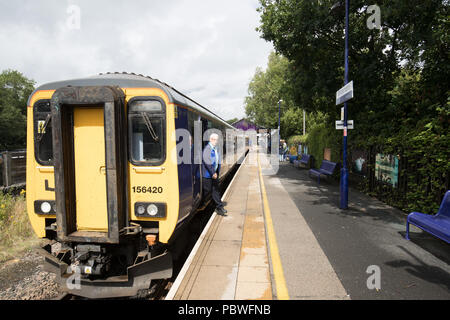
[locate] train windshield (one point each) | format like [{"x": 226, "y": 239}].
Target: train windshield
[
  {"x": 43, "y": 133},
  {"x": 146, "y": 132}
]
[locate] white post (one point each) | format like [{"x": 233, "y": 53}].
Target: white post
[{"x": 304, "y": 128}]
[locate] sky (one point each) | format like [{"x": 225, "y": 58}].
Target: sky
[{"x": 207, "y": 49}]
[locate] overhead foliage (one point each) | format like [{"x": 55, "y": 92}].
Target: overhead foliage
[
  {"x": 401, "y": 78},
  {"x": 231, "y": 121},
  {"x": 414, "y": 37},
  {"x": 265, "y": 90},
  {"x": 15, "y": 89}
]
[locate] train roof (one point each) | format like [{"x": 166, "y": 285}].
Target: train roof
[{"x": 132, "y": 80}]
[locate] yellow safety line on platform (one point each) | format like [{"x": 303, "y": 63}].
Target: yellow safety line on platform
[{"x": 280, "y": 282}]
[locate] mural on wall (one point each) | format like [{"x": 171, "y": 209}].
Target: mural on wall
[
  {"x": 386, "y": 168},
  {"x": 359, "y": 162}
]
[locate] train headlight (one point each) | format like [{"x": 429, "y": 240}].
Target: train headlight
[
  {"x": 140, "y": 210},
  {"x": 46, "y": 207},
  {"x": 152, "y": 210}
]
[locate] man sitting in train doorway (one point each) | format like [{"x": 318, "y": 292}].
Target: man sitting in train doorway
[{"x": 211, "y": 169}]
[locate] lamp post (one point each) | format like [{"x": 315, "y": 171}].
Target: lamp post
[{"x": 344, "y": 171}]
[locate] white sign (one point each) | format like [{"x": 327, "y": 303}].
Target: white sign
[
  {"x": 340, "y": 124},
  {"x": 345, "y": 93}
]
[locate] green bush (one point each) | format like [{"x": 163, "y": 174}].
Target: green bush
[
  {"x": 296, "y": 140},
  {"x": 320, "y": 137},
  {"x": 427, "y": 151},
  {"x": 6, "y": 205}
]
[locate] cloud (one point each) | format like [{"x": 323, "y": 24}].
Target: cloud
[{"x": 208, "y": 50}]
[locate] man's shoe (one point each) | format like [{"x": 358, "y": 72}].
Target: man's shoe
[
  {"x": 224, "y": 203},
  {"x": 221, "y": 211}
]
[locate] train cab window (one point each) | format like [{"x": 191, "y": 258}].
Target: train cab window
[
  {"x": 146, "y": 131},
  {"x": 43, "y": 142}
]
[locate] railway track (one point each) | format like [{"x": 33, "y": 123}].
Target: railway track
[{"x": 161, "y": 290}]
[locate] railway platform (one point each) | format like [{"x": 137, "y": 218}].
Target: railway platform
[
  {"x": 237, "y": 256},
  {"x": 230, "y": 260},
  {"x": 286, "y": 238}
]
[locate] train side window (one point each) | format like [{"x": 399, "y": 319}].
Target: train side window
[
  {"x": 224, "y": 142},
  {"x": 43, "y": 142},
  {"x": 191, "y": 124},
  {"x": 146, "y": 131}
]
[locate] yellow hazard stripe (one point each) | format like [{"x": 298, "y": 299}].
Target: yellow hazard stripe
[{"x": 280, "y": 282}]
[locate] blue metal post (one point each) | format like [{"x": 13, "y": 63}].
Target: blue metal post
[{"x": 344, "y": 171}]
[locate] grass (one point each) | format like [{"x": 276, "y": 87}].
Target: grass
[{"x": 16, "y": 233}]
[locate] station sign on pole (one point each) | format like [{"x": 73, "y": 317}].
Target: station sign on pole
[
  {"x": 345, "y": 93},
  {"x": 340, "y": 124}
]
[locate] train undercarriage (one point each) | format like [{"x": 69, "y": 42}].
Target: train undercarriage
[{"x": 94, "y": 270}]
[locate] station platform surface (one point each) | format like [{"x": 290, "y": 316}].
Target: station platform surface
[
  {"x": 369, "y": 234},
  {"x": 286, "y": 238},
  {"x": 232, "y": 262},
  {"x": 238, "y": 260}
]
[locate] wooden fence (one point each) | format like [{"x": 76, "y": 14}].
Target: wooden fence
[{"x": 12, "y": 169}]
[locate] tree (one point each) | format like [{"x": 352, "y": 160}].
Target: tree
[
  {"x": 414, "y": 37},
  {"x": 15, "y": 89},
  {"x": 265, "y": 90},
  {"x": 231, "y": 121},
  {"x": 401, "y": 76}
]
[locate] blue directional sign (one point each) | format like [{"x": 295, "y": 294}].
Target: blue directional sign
[{"x": 345, "y": 93}]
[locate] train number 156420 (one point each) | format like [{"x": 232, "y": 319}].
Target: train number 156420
[{"x": 144, "y": 189}]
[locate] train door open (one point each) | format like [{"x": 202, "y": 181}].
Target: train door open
[
  {"x": 196, "y": 170},
  {"x": 205, "y": 127},
  {"x": 89, "y": 150}
]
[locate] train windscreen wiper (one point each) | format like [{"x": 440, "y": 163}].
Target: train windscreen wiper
[
  {"x": 150, "y": 128},
  {"x": 44, "y": 127}
]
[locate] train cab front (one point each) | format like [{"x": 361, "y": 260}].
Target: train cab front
[{"x": 98, "y": 251}]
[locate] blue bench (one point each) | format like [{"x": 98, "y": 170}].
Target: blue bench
[
  {"x": 305, "y": 160},
  {"x": 438, "y": 224},
  {"x": 327, "y": 168}
]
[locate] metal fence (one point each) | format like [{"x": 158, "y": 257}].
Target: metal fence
[
  {"x": 12, "y": 169},
  {"x": 392, "y": 177}
]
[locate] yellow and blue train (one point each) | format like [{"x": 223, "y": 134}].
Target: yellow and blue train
[{"x": 102, "y": 182}]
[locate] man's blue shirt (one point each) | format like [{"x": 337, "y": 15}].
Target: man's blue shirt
[{"x": 210, "y": 162}]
